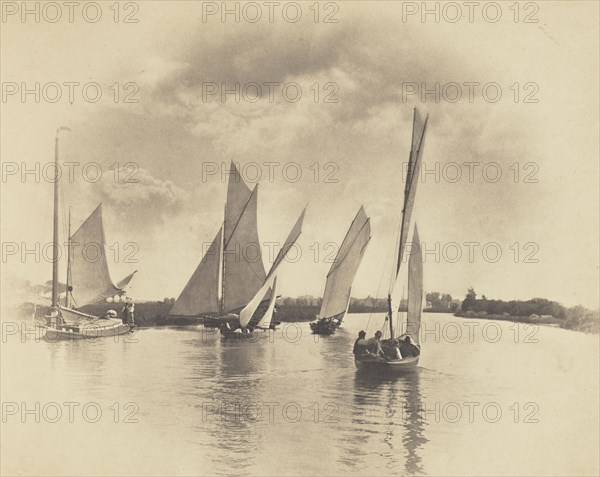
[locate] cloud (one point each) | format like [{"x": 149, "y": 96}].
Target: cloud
[
  {"x": 139, "y": 197},
  {"x": 173, "y": 132}
]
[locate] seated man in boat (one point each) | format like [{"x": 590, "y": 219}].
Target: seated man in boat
[
  {"x": 408, "y": 348},
  {"x": 360, "y": 345},
  {"x": 393, "y": 349},
  {"x": 374, "y": 344}
]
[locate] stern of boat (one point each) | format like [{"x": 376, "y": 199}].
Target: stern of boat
[{"x": 391, "y": 367}]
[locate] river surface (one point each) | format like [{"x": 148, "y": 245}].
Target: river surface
[{"x": 487, "y": 399}]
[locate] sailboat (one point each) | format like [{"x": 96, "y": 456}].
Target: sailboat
[
  {"x": 251, "y": 318},
  {"x": 231, "y": 271},
  {"x": 403, "y": 352},
  {"x": 338, "y": 288},
  {"x": 88, "y": 280}
]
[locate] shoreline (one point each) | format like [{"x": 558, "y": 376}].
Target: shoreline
[
  {"x": 536, "y": 320},
  {"x": 155, "y": 314},
  {"x": 587, "y": 326}
]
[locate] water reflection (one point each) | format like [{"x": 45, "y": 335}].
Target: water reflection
[
  {"x": 231, "y": 414},
  {"x": 389, "y": 406},
  {"x": 365, "y": 424}
]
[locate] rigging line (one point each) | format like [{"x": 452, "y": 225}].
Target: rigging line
[
  {"x": 225, "y": 245},
  {"x": 394, "y": 271},
  {"x": 379, "y": 287},
  {"x": 400, "y": 316},
  {"x": 410, "y": 157}
]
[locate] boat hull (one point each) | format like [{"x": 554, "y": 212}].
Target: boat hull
[
  {"x": 89, "y": 332},
  {"x": 324, "y": 328},
  {"x": 232, "y": 336},
  {"x": 391, "y": 367},
  {"x": 217, "y": 322},
  {"x": 77, "y": 325}
]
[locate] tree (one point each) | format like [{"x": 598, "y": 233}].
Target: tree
[{"x": 469, "y": 300}]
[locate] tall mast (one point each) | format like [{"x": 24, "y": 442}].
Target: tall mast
[
  {"x": 222, "y": 247},
  {"x": 55, "y": 224},
  {"x": 68, "y": 281},
  {"x": 55, "y": 227},
  {"x": 390, "y": 316}
]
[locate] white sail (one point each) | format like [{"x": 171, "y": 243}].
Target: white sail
[
  {"x": 288, "y": 244},
  {"x": 200, "y": 295},
  {"x": 415, "y": 288},
  {"x": 343, "y": 270},
  {"x": 410, "y": 188},
  {"x": 248, "y": 311},
  {"x": 89, "y": 274},
  {"x": 243, "y": 268},
  {"x": 265, "y": 321}
]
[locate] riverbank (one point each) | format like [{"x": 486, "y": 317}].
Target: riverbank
[
  {"x": 533, "y": 319},
  {"x": 576, "y": 319}
]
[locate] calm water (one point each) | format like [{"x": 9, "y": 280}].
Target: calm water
[{"x": 510, "y": 399}]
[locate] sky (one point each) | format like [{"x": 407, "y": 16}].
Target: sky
[{"x": 509, "y": 205}]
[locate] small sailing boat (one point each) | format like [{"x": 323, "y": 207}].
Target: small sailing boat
[
  {"x": 338, "y": 288},
  {"x": 88, "y": 280},
  {"x": 232, "y": 272},
  {"x": 250, "y": 316},
  {"x": 403, "y": 352}
]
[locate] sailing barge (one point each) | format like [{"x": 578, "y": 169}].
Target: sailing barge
[
  {"x": 231, "y": 276},
  {"x": 88, "y": 280}
]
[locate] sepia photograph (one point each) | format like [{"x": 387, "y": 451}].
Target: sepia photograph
[{"x": 300, "y": 238}]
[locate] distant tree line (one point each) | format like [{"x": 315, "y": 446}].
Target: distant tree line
[
  {"x": 574, "y": 318},
  {"x": 439, "y": 302},
  {"x": 535, "y": 306}
]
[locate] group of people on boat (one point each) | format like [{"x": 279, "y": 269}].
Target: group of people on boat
[
  {"x": 226, "y": 329},
  {"x": 325, "y": 326},
  {"x": 397, "y": 348}
]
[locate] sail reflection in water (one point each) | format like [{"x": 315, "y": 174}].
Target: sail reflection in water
[
  {"x": 229, "y": 412},
  {"x": 390, "y": 405},
  {"x": 365, "y": 425}
]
